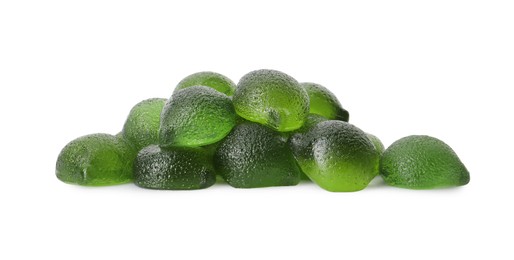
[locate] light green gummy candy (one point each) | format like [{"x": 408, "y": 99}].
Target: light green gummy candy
[
  {"x": 96, "y": 160},
  {"x": 210, "y": 79},
  {"x": 141, "y": 127},
  {"x": 324, "y": 103},
  {"x": 196, "y": 116},
  {"x": 272, "y": 98}
]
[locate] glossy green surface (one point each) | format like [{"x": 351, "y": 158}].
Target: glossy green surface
[
  {"x": 209, "y": 79},
  {"x": 312, "y": 120},
  {"x": 141, "y": 127},
  {"x": 422, "y": 162},
  {"x": 253, "y": 156},
  {"x": 196, "y": 116},
  {"x": 336, "y": 155},
  {"x": 177, "y": 168},
  {"x": 96, "y": 160},
  {"x": 271, "y": 98},
  {"x": 323, "y": 102}
]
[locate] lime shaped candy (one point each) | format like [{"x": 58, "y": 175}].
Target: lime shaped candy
[
  {"x": 422, "y": 162},
  {"x": 254, "y": 156},
  {"x": 196, "y": 116},
  {"x": 177, "y": 168},
  {"x": 209, "y": 79},
  {"x": 271, "y": 98},
  {"x": 96, "y": 160},
  {"x": 336, "y": 155},
  {"x": 324, "y": 103},
  {"x": 141, "y": 127}
]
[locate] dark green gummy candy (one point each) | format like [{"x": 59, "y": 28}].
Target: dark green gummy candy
[
  {"x": 177, "y": 168},
  {"x": 253, "y": 155}
]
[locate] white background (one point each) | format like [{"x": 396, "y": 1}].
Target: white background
[{"x": 441, "y": 68}]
